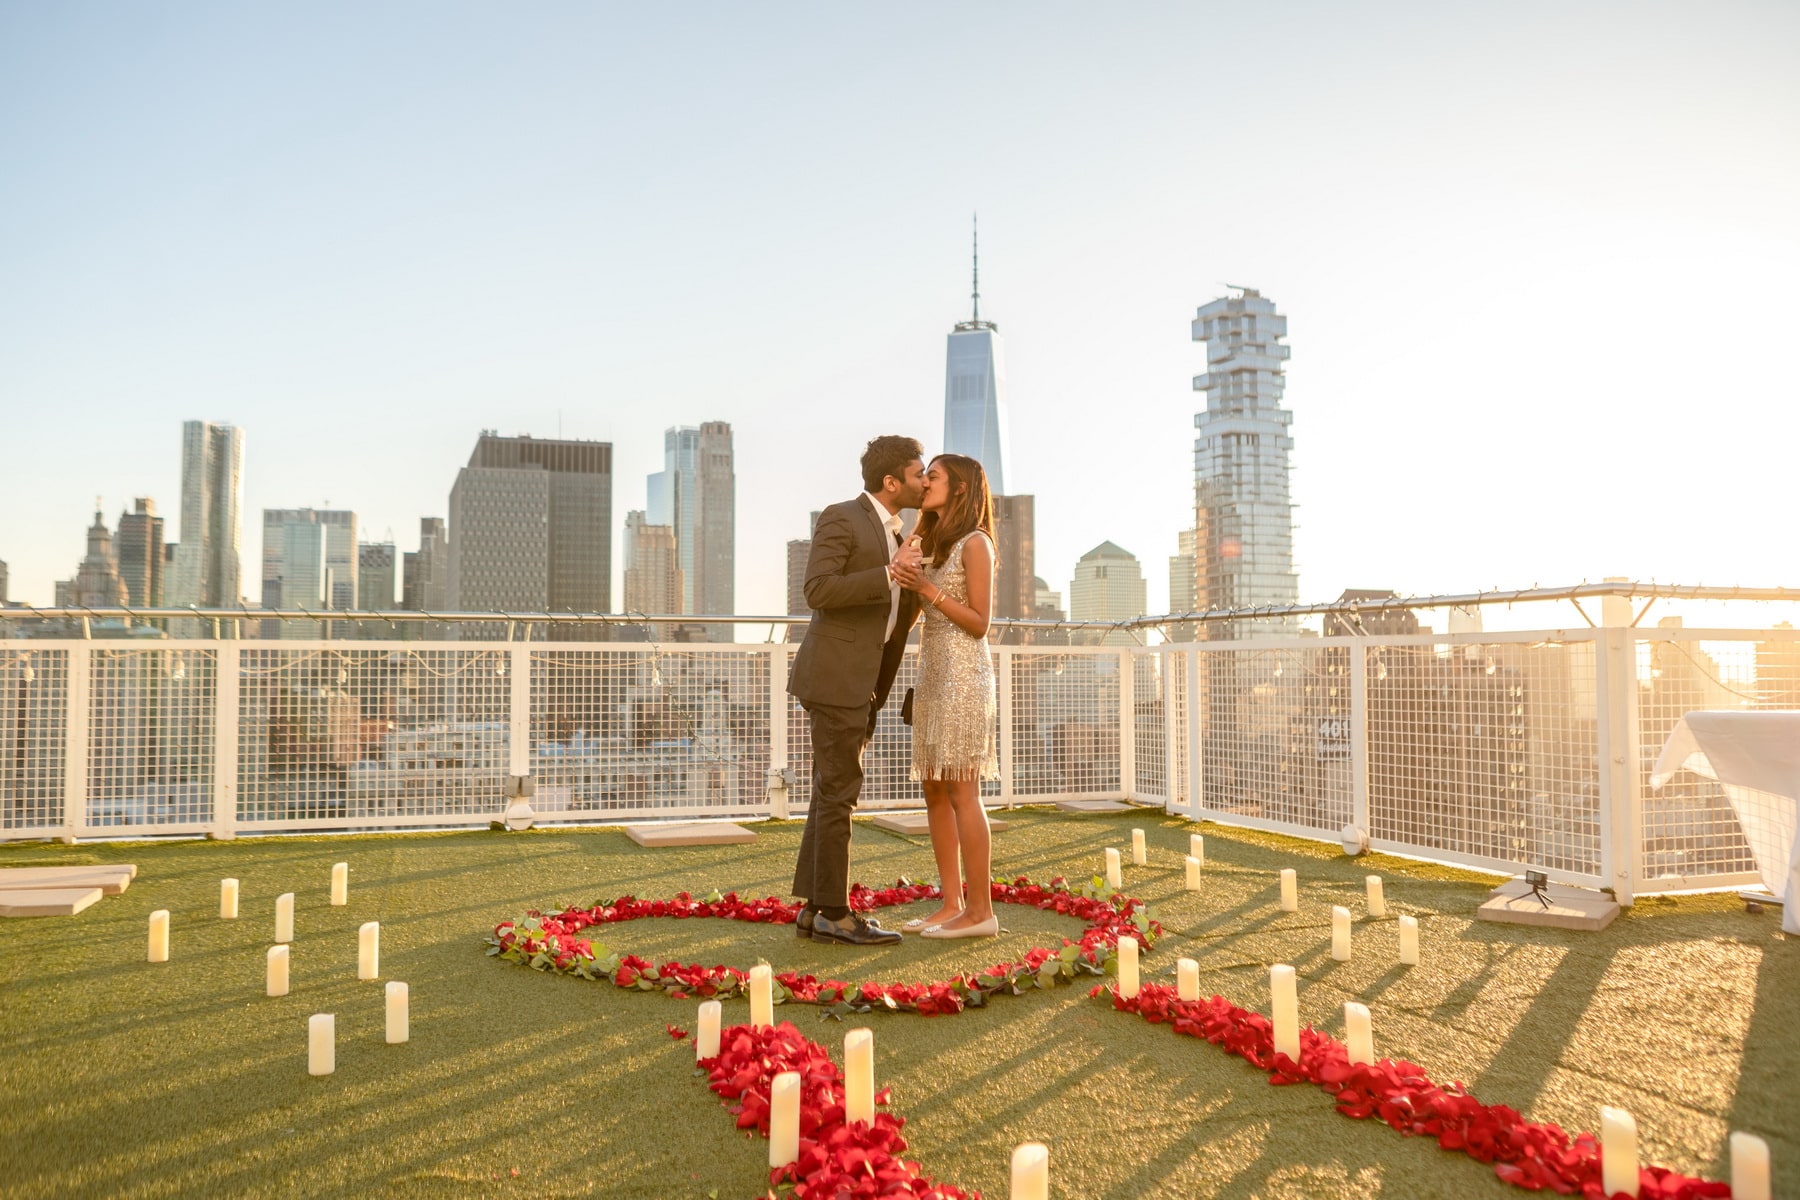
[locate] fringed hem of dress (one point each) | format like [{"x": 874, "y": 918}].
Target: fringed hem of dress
[{"x": 956, "y": 774}]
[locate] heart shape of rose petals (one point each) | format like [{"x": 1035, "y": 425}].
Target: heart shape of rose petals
[{"x": 556, "y": 944}]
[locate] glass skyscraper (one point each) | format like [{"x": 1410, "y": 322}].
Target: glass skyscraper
[
  {"x": 695, "y": 494},
  {"x": 207, "y": 570},
  {"x": 975, "y": 392},
  {"x": 1243, "y": 517}
]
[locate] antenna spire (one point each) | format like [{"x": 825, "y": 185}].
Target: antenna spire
[{"x": 975, "y": 222}]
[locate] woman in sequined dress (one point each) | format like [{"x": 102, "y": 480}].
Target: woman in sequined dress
[{"x": 953, "y": 705}]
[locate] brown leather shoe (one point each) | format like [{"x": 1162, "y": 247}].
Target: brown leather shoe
[
  {"x": 803, "y": 922},
  {"x": 853, "y": 930}
]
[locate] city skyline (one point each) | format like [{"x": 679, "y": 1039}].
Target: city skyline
[{"x": 1420, "y": 180}]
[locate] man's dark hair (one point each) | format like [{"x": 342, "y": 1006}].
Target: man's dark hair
[{"x": 889, "y": 455}]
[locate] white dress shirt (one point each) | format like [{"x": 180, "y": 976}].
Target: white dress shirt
[{"x": 892, "y": 520}]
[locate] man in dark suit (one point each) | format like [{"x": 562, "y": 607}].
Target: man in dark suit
[{"x": 845, "y": 668}]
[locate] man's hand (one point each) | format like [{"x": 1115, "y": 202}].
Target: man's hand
[{"x": 906, "y": 567}]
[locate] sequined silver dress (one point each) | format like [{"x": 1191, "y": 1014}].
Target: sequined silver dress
[{"x": 953, "y": 708}]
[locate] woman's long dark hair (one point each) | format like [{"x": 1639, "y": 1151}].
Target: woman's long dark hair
[{"x": 969, "y": 508}]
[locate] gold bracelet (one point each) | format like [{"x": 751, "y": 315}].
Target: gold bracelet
[{"x": 937, "y": 600}]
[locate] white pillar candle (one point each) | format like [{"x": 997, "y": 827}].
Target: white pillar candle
[
  {"x": 1031, "y": 1172},
  {"x": 1409, "y": 941},
  {"x": 228, "y": 898},
  {"x": 784, "y": 1119},
  {"x": 1749, "y": 1168},
  {"x": 159, "y": 935},
  {"x": 762, "y": 996},
  {"x": 1187, "y": 979},
  {"x": 1193, "y": 873},
  {"x": 1284, "y": 1006},
  {"x": 1359, "y": 1033},
  {"x": 278, "y": 971},
  {"x": 321, "y": 1044},
  {"x": 284, "y": 917},
  {"x": 368, "y": 950},
  {"x": 1114, "y": 879},
  {"x": 340, "y": 883},
  {"x": 399, "y": 1013},
  {"x": 1377, "y": 901},
  {"x": 1618, "y": 1151},
  {"x": 1128, "y": 967},
  {"x": 859, "y": 1075},
  {"x": 1197, "y": 847},
  {"x": 1138, "y": 855},
  {"x": 706, "y": 1043},
  {"x": 1290, "y": 890},
  {"x": 1340, "y": 933}
]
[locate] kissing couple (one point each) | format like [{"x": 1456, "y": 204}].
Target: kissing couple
[{"x": 867, "y": 585}]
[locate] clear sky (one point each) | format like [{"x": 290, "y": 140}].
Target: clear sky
[{"x": 1538, "y": 260}]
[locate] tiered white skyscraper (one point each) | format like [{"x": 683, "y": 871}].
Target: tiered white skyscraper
[
  {"x": 975, "y": 391},
  {"x": 1243, "y": 517}
]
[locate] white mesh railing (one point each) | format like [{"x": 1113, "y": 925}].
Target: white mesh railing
[
  {"x": 1688, "y": 834},
  {"x": 34, "y": 704},
  {"x": 400, "y": 733},
  {"x": 1499, "y": 750}
]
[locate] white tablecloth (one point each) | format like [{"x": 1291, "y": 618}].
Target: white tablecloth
[{"x": 1755, "y": 756}]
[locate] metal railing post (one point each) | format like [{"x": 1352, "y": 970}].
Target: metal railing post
[
  {"x": 518, "y": 733},
  {"x": 1003, "y": 669},
  {"x": 1615, "y": 685},
  {"x": 1127, "y": 724},
  {"x": 778, "y": 710},
  {"x": 1171, "y": 729},
  {"x": 1195, "y": 751},
  {"x": 76, "y": 738},
  {"x": 1359, "y": 738},
  {"x": 227, "y": 680}
]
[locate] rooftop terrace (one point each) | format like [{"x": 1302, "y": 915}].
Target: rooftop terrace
[{"x": 129, "y": 1078}]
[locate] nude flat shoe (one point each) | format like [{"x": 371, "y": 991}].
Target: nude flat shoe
[
  {"x": 987, "y": 928},
  {"x": 917, "y": 924}
]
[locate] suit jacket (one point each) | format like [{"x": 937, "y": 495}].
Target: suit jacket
[{"x": 845, "y": 660}]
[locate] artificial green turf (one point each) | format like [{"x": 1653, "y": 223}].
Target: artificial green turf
[{"x": 126, "y": 1078}]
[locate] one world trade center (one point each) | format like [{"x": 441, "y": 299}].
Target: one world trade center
[{"x": 975, "y": 391}]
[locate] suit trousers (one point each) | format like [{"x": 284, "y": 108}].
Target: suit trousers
[{"x": 839, "y": 737}]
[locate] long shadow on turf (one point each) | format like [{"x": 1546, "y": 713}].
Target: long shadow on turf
[
  {"x": 1766, "y": 1096},
  {"x": 1547, "y": 1020}
]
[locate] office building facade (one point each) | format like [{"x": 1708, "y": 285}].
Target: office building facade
[
  {"x": 290, "y": 577},
  {"x": 1015, "y": 580},
  {"x": 425, "y": 585},
  {"x": 1108, "y": 586},
  {"x": 376, "y": 576},
  {"x": 530, "y": 526},
  {"x": 139, "y": 548},
  {"x": 652, "y": 567}
]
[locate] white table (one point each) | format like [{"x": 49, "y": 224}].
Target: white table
[{"x": 1755, "y": 756}]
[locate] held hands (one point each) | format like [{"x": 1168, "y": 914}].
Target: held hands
[{"x": 907, "y": 566}]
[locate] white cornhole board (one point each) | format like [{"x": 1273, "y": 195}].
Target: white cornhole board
[
  {"x": 1093, "y": 806},
  {"x": 47, "y": 902},
  {"x": 915, "y": 824},
  {"x": 111, "y": 880},
  {"x": 1569, "y": 908},
  {"x": 690, "y": 833}
]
